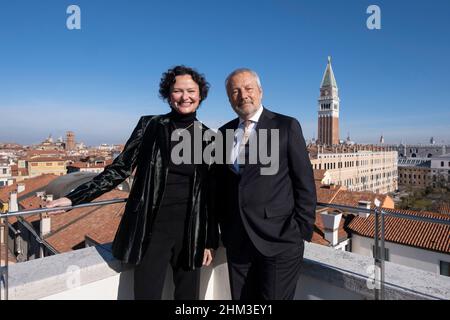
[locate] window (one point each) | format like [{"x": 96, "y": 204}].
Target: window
[
  {"x": 4, "y": 171},
  {"x": 49, "y": 164},
  {"x": 444, "y": 268},
  {"x": 442, "y": 163}
]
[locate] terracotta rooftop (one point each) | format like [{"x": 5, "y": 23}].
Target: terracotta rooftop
[
  {"x": 337, "y": 194},
  {"x": 68, "y": 230},
  {"x": 45, "y": 152},
  {"x": 80, "y": 164},
  {"x": 326, "y": 194},
  {"x": 444, "y": 208},
  {"x": 351, "y": 198},
  {"x": 45, "y": 159},
  {"x": 425, "y": 235},
  {"x": 31, "y": 185},
  {"x": 319, "y": 174}
]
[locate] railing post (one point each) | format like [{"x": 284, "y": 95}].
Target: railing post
[
  {"x": 7, "y": 257},
  {"x": 4, "y": 269},
  {"x": 383, "y": 257},
  {"x": 376, "y": 256},
  {"x": 379, "y": 253}
]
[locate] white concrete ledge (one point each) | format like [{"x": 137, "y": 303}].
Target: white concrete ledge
[{"x": 93, "y": 273}]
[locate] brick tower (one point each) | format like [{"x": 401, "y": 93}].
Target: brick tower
[{"x": 328, "y": 129}]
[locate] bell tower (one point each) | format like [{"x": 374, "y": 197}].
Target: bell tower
[{"x": 328, "y": 129}]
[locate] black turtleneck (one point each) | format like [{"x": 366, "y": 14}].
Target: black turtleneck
[{"x": 179, "y": 179}]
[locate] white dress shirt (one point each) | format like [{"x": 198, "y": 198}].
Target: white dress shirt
[{"x": 239, "y": 134}]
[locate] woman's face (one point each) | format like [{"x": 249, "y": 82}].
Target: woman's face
[{"x": 185, "y": 95}]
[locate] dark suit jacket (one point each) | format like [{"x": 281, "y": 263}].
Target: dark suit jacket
[{"x": 275, "y": 211}]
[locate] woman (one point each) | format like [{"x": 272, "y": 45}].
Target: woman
[{"x": 166, "y": 218}]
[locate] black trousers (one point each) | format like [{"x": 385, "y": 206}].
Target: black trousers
[
  {"x": 257, "y": 277},
  {"x": 166, "y": 247}
]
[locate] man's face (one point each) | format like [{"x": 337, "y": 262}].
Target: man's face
[{"x": 244, "y": 94}]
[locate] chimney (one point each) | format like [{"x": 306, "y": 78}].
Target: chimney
[
  {"x": 49, "y": 197},
  {"x": 45, "y": 224},
  {"x": 13, "y": 206},
  {"x": 331, "y": 222},
  {"x": 40, "y": 194},
  {"x": 20, "y": 187},
  {"x": 364, "y": 205}
]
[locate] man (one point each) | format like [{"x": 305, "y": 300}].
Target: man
[{"x": 264, "y": 217}]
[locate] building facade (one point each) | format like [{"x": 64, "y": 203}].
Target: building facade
[
  {"x": 359, "y": 170},
  {"x": 5, "y": 173},
  {"x": 421, "y": 150},
  {"x": 40, "y": 166},
  {"x": 424, "y": 172}
]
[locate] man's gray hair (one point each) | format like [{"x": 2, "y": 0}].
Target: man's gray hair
[{"x": 242, "y": 70}]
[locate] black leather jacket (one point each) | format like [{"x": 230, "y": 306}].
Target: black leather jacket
[{"x": 147, "y": 151}]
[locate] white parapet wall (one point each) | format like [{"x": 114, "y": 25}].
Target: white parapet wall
[{"x": 92, "y": 273}]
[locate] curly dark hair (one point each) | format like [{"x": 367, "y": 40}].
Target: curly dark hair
[{"x": 168, "y": 79}]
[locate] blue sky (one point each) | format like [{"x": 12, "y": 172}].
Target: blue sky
[{"x": 97, "y": 81}]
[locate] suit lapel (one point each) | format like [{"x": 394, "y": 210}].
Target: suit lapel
[
  {"x": 228, "y": 145},
  {"x": 164, "y": 139},
  {"x": 264, "y": 123}
]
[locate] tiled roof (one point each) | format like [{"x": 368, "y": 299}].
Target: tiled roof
[
  {"x": 326, "y": 194},
  {"x": 45, "y": 159},
  {"x": 319, "y": 174},
  {"x": 337, "y": 194},
  {"x": 69, "y": 229},
  {"x": 80, "y": 164},
  {"x": 444, "y": 208},
  {"x": 425, "y": 235},
  {"x": 351, "y": 198},
  {"x": 44, "y": 152},
  {"x": 31, "y": 185}
]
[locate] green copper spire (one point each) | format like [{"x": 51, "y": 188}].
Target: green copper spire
[{"x": 328, "y": 77}]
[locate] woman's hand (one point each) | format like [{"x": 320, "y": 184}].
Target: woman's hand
[
  {"x": 61, "y": 202},
  {"x": 208, "y": 256}
]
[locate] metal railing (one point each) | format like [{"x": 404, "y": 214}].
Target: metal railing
[
  {"x": 379, "y": 241},
  {"x": 4, "y": 226}
]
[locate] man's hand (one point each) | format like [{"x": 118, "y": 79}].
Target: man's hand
[
  {"x": 208, "y": 256},
  {"x": 61, "y": 202}
]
